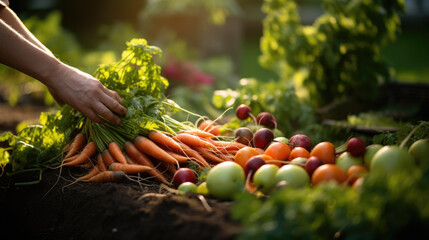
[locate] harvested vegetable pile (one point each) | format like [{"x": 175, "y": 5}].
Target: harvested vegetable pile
[{"x": 147, "y": 144}]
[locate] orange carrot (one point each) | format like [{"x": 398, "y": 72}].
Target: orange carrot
[
  {"x": 108, "y": 176},
  {"x": 170, "y": 167},
  {"x": 87, "y": 152},
  {"x": 107, "y": 157},
  {"x": 129, "y": 168},
  {"x": 100, "y": 163},
  {"x": 148, "y": 147},
  {"x": 94, "y": 171},
  {"x": 207, "y": 154},
  {"x": 144, "y": 160},
  {"x": 130, "y": 160},
  {"x": 78, "y": 142},
  {"x": 116, "y": 151},
  {"x": 189, "y": 152},
  {"x": 178, "y": 157},
  {"x": 193, "y": 141},
  {"x": 164, "y": 140},
  {"x": 228, "y": 145},
  {"x": 201, "y": 134}
]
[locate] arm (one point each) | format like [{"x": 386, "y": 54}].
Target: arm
[{"x": 75, "y": 88}]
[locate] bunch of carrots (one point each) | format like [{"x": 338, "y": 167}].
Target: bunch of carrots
[{"x": 157, "y": 154}]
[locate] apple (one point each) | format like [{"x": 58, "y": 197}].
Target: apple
[
  {"x": 262, "y": 138},
  {"x": 356, "y": 147},
  {"x": 312, "y": 163},
  {"x": 300, "y": 140},
  {"x": 391, "y": 159},
  {"x": 264, "y": 178},
  {"x": 300, "y": 161},
  {"x": 294, "y": 175},
  {"x": 225, "y": 180},
  {"x": 184, "y": 175},
  {"x": 420, "y": 151},
  {"x": 252, "y": 165},
  {"x": 346, "y": 160},
  {"x": 202, "y": 189},
  {"x": 369, "y": 153},
  {"x": 187, "y": 187}
]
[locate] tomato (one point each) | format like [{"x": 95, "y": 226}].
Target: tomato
[
  {"x": 355, "y": 172},
  {"x": 244, "y": 154},
  {"x": 278, "y": 151},
  {"x": 325, "y": 151},
  {"x": 298, "y": 152},
  {"x": 328, "y": 172}
]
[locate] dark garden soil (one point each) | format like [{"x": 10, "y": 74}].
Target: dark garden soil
[{"x": 53, "y": 209}]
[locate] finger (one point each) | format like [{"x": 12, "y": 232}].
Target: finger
[
  {"x": 113, "y": 104},
  {"x": 105, "y": 112},
  {"x": 91, "y": 115}
]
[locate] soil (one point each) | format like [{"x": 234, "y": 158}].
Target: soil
[{"x": 53, "y": 209}]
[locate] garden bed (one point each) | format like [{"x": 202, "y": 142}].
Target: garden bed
[{"x": 124, "y": 210}]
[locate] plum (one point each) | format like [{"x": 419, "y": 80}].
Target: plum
[
  {"x": 244, "y": 135},
  {"x": 312, "y": 163},
  {"x": 262, "y": 138},
  {"x": 356, "y": 147},
  {"x": 266, "y": 119},
  {"x": 253, "y": 164},
  {"x": 243, "y": 112},
  {"x": 300, "y": 140}
]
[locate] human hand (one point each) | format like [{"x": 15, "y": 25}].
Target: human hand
[{"x": 87, "y": 95}]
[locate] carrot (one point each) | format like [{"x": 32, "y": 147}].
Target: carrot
[
  {"x": 193, "y": 141},
  {"x": 201, "y": 134},
  {"x": 148, "y": 147},
  {"x": 178, "y": 157},
  {"x": 130, "y": 160},
  {"x": 129, "y": 168},
  {"x": 209, "y": 155},
  {"x": 144, "y": 160},
  {"x": 107, "y": 157},
  {"x": 117, "y": 153},
  {"x": 170, "y": 167},
  {"x": 164, "y": 140},
  {"x": 228, "y": 145},
  {"x": 94, "y": 171},
  {"x": 84, "y": 156},
  {"x": 108, "y": 176},
  {"x": 78, "y": 142},
  {"x": 189, "y": 152},
  {"x": 100, "y": 163}
]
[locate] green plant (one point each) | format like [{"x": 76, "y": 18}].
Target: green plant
[
  {"x": 218, "y": 10},
  {"x": 277, "y": 98},
  {"x": 336, "y": 57}
]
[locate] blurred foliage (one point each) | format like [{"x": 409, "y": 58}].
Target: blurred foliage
[
  {"x": 396, "y": 138},
  {"x": 281, "y": 100},
  {"x": 217, "y": 10},
  {"x": 337, "y": 56}
]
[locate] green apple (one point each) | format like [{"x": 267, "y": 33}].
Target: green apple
[
  {"x": 299, "y": 161},
  {"x": 420, "y": 151},
  {"x": 202, "y": 189},
  {"x": 187, "y": 187},
  {"x": 225, "y": 180},
  {"x": 264, "y": 178},
  {"x": 369, "y": 153},
  {"x": 390, "y": 159},
  {"x": 294, "y": 175},
  {"x": 346, "y": 160}
]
